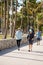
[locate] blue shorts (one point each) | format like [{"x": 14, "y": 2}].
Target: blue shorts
[{"x": 38, "y": 39}]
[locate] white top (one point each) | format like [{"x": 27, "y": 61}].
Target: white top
[{"x": 18, "y": 34}]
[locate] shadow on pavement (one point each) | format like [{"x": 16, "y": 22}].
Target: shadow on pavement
[
  {"x": 14, "y": 48},
  {"x": 2, "y": 52},
  {"x": 38, "y": 51},
  {"x": 25, "y": 58}
]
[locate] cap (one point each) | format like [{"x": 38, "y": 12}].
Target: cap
[{"x": 30, "y": 30}]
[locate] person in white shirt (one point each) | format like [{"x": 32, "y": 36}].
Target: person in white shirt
[{"x": 18, "y": 35}]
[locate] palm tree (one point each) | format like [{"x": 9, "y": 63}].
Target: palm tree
[
  {"x": 11, "y": 22},
  {"x": 1, "y": 15},
  {"x": 6, "y": 20},
  {"x": 15, "y": 20}
]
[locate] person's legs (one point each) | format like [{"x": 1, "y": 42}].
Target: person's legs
[
  {"x": 18, "y": 44},
  {"x": 38, "y": 41},
  {"x": 30, "y": 46}
]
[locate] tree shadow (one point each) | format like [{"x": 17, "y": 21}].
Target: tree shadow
[
  {"x": 24, "y": 58},
  {"x": 5, "y": 51},
  {"x": 38, "y": 51},
  {"x": 28, "y": 53}
]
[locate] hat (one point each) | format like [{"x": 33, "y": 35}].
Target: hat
[
  {"x": 30, "y": 30},
  {"x": 19, "y": 28}
]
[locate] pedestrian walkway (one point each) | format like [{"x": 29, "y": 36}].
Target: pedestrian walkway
[{"x": 14, "y": 57}]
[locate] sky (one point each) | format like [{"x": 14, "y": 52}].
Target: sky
[
  {"x": 38, "y": 0},
  {"x": 20, "y": 1}
]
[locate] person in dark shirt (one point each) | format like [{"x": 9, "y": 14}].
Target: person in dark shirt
[
  {"x": 32, "y": 31},
  {"x": 30, "y": 39}
]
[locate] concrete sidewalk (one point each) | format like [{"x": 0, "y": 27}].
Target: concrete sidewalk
[{"x": 14, "y": 57}]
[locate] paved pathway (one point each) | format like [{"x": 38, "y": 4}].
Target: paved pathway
[{"x": 14, "y": 57}]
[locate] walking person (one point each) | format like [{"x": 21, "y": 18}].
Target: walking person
[
  {"x": 30, "y": 39},
  {"x": 32, "y": 31},
  {"x": 38, "y": 36},
  {"x": 18, "y": 35}
]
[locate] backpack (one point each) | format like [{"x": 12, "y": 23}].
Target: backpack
[{"x": 28, "y": 36}]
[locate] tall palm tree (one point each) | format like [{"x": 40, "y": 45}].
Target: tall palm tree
[
  {"x": 6, "y": 20},
  {"x": 15, "y": 20},
  {"x": 11, "y": 22},
  {"x": 1, "y": 15}
]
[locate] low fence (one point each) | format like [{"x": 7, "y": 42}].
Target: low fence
[{"x": 7, "y": 43}]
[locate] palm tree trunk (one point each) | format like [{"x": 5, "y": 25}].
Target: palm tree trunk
[
  {"x": 4, "y": 19},
  {"x": 7, "y": 22},
  {"x": 15, "y": 20},
  {"x": 11, "y": 28},
  {"x": 22, "y": 18},
  {"x": 2, "y": 16}
]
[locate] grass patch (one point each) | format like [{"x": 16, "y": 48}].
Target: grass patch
[{"x": 1, "y": 36}]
